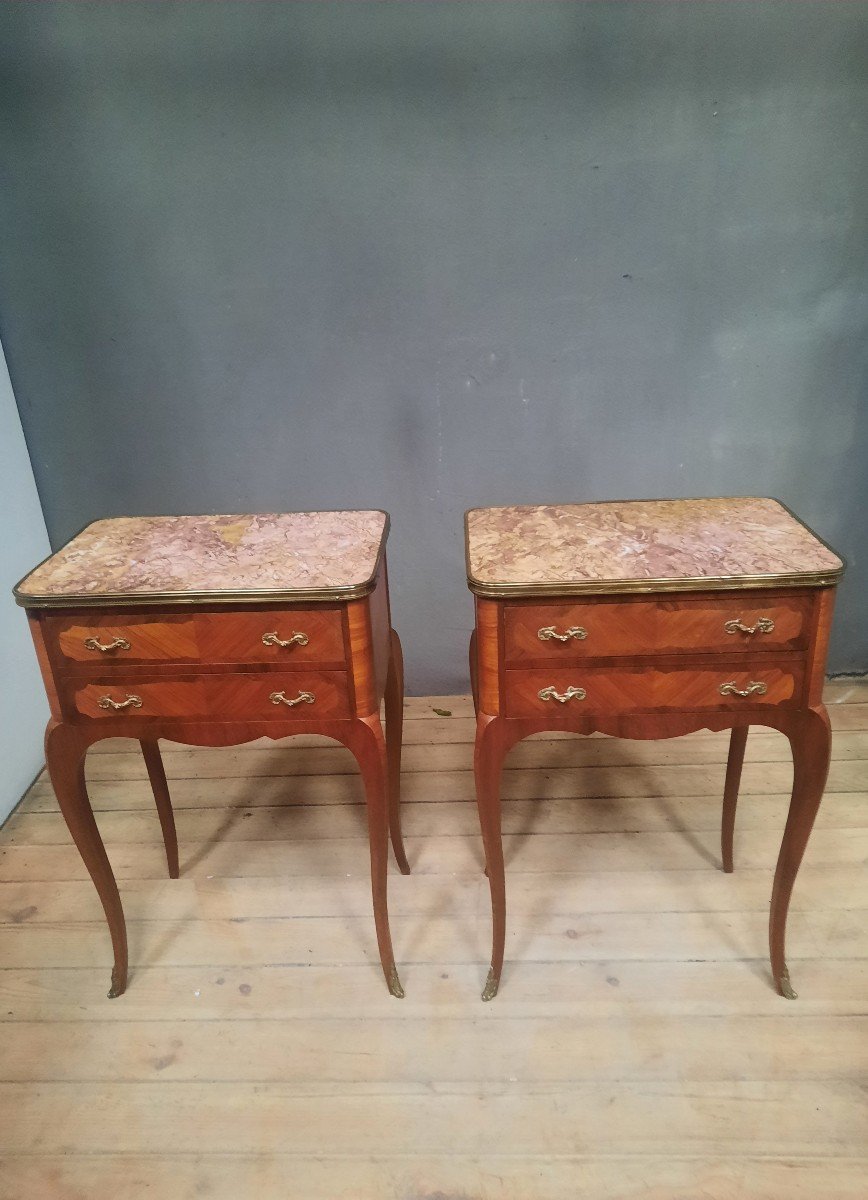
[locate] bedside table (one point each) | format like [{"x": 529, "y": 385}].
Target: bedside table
[
  {"x": 213, "y": 631},
  {"x": 650, "y": 619}
]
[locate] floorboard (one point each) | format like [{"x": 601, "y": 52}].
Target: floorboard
[{"x": 637, "y": 1050}]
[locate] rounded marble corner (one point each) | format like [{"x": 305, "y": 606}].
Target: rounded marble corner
[
  {"x": 33, "y": 600},
  {"x": 837, "y": 553}
]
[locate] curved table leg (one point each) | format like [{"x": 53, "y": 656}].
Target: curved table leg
[
  {"x": 394, "y": 699},
  {"x": 737, "y": 742},
  {"x": 487, "y": 762},
  {"x": 157, "y": 776},
  {"x": 811, "y": 741},
  {"x": 365, "y": 739},
  {"x": 65, "y": 752},
  {"x": 474, "y": 687}
]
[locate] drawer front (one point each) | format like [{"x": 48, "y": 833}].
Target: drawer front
[
  {"x": 613, "y": 691},
  {"x": 302, "y": 695},
  {"x": 733, "y": 624},
  {"x": 276, "y": 636},
  {"x": 285, "y": 636},
  {"x": 135, "y": 698},
  {"x": 311, "y": 695},
  {"x": 123, "y": 639}
]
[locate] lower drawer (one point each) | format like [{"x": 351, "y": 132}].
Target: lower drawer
[
  {"x": 311, "y": 695},
  {"x": 556, "y": 692}
]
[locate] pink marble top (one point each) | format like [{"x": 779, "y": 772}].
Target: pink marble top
[
  {"x": 627, "y": 546},
  {"x": 142, "y": 558}
]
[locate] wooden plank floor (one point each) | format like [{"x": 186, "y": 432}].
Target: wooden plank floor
[{"x": 637, "y": 1048}]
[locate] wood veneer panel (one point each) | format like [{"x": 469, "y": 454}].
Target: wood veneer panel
[
  {"x": 378, "y": 608},
  {"x": 236, "y": 637},
  {"x": 655, "y": 627},
  {"x": 151, "y": 639},
  {"x": 824, "y": 607},
  {"x": 205, "y": 638},
  {"x": 43, "y": 656},
  {"x": 159, "y": 698},
  {"x": 361, "y": 656},
  {"x": 620, "y": 691},
  {"x": 487, "y": 650},
  {"x": 236, "y": 696}
]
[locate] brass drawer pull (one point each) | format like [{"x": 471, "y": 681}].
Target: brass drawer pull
[
  {"x": 93, "y": 643},
  {"x": 547, "y": 634},
  {"x": 761, "y": 625},
  {"x": 130, "y": 702},
  {"x": 301, "y": 698},
  {"x": 297, "y": 639},
  {"x": 753, "y": 688},
  {"x": 572, "y": 693}
]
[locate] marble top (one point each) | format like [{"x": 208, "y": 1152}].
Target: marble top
[
  {"x": 642, "y": 545},
  {"x": 282, "y": 555}
]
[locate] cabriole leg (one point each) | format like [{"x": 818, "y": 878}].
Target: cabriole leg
[
  {"x": 394, "y": 733},
  {"x": 65, "y": 751},
  {"x": 369, "y": 747},
  {"x": 737, "y": 742},
  {"x": 157, "y": 776},
  {"x": 487, "y": 761},
  {"x": 811, "y": 742}
]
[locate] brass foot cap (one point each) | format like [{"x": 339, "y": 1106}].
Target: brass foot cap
[
  {"x": 116, "y": 989},
  {"x": 492, "y": 983},
  {"x": 395, "y": 984},
  {"x": 786, "y": 988}
]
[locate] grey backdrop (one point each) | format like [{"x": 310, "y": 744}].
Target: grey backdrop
[{"x": 428, "y": 256}]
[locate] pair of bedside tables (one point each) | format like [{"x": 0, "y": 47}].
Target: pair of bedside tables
[{"x": 637, "y": 619}]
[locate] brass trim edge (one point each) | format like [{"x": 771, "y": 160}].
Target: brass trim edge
[
  {"x": 616, "y": 587},
  {"x": 355, "y": 591}
]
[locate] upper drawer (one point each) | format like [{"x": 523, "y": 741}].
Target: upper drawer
[
  {"x": 108, "y": 638},
  {"x": 280, "y": 636},
  {"x": 560, "y": 632}
]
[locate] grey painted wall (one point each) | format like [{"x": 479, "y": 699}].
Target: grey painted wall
[
  {"x": 428, "y": 256},
  {"x": 23, "y": 706}
]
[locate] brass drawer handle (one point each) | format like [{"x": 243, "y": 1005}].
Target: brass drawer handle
[
  {"x": 130, "y": 702},
  {"x": 301, "y": 698},
  {"x": 572, "y": 693},
  {"x": 761, "y": 625},
  {"x": 93, "y": 643},
  {"x": 297, "y": 639},
  {"x": 547, "y": 634},
  {"x": 753, "y": 688}
]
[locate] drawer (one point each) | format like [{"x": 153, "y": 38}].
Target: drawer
[
  {"x": 116, "y": 638},
  {"x": 242, "y": 696},
  {"x": 275, "y": 636},
  {"x": 733, "y": 624},
  {"x": 613, "y": 690}
]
